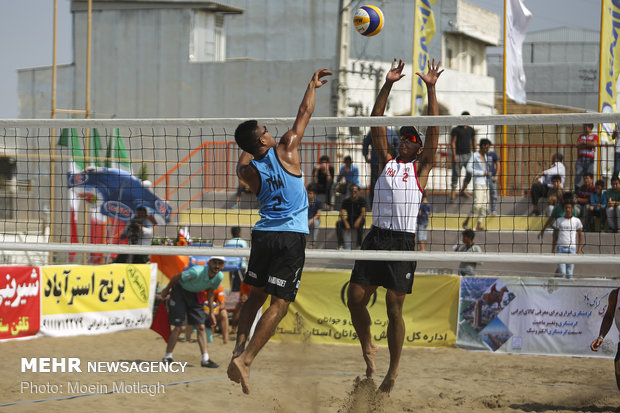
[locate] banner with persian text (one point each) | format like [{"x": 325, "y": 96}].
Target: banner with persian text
[
  {"x": 320, "y": 314},
  {"x": 20, "y": 301},
  {"x": 80, "y": 299},
  {"x": 534, "y": 315}
]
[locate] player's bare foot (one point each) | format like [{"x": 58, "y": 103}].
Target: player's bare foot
[
  {"x": 387, "y": 385},
  {"x": 239, "y": 373},
  {"x": 369, "y": 358}
]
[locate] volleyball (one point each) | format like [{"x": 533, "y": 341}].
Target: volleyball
[{"x": 368, "y": 20}]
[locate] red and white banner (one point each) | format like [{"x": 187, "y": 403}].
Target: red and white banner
[{"x": 20, "y": 301}]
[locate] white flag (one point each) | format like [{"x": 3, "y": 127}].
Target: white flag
[{"x": 517, "y": 19}]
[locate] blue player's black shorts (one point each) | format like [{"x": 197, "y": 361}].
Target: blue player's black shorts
[
  {"x": 276, "y": 261},
  {"x": 395, "y": 275}
]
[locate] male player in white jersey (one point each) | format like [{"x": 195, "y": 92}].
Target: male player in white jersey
[
  {"x": 613, "y": 312},
  {"x": 397, "y": 198},
  {"x": 273, "y": 172}
]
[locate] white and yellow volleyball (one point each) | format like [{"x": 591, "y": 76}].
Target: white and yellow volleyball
[{"x": 368, "y": 20}]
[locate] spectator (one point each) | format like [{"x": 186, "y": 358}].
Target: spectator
[
  {"x": 613, "y": 204},
  {"x": 493, "y": 166},
  {"x": 614, "y": 136},
  {"x": 323, "y": 177},
  {"x": 424, "y": 214},
  {"x": 139, "y": 231},
  {"x": 463, "y": 143},
  {"x": 586, "y": 148},
  {"x": 568, "y": 239},
  {"x": 352, "y": 217},
  {"x": 183, "y": 290},
  {"x": 219, "y": 309},
  {"x": 371, "y": 157},
  {"x": 236, "y": 276},
  {"x": 347, "y": 176},
  {"x": 542, "y": 182},
  {"x": 315, "y": 206},
  {"x": 467, "y": 268},
  {"x": 242, "y": 188},
  {"x": 477, "y": 166},
  {"x": 596, "y": 207},
  {"x": 555, "y": 194},
  {"x": 583, "y": 194}
]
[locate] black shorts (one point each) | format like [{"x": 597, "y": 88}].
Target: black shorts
[
  {"x": 276, "y": 261},
  {"x": 182, "y": 303},
  {"x": 395, "y": 275}
]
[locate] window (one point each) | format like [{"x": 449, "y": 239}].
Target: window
[{"x": 207, "y": 37}]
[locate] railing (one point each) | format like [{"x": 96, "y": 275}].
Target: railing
[{"x": 215, "y": 169}]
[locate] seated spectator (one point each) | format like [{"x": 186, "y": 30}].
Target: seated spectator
[
  {"x": 315, "y": 206},
  {"x": 352, "y": 217},
  {"x": 423, "y": 215},
  {"x": 467, "y": 268},
  {"x": 613, "y": 204},
  {"x": 596, "y": 207},
  {"x": 583, "y": 194},
  {"x": 221, "y": 315},
  {"x": 347, "y": 176},
  {"x": 323, "y": 177},
  {"x": 542, "y": 182},
  {"x": 555, "y": 194}
]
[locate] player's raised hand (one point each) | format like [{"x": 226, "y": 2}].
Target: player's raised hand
[
  {"x": 430, "y": 78},
  {"x": 396, "y": 72},
  {"x": 316, "y": 78}
]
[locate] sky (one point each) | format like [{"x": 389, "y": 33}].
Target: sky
[{"x": 26, "y": 33}]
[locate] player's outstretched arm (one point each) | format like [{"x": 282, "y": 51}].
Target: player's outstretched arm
[
  {"x": 379, "y": 134},
  {"x": 608, "y": 318},
  {"x": 432, "y": 132}
]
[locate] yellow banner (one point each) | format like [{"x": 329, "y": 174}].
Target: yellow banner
[
  {"x": 423, "y": 32},
  {"x": 71, "y": 289},
  {"x": 610, "y": 62},
  {"x": 320, "y": 314}
]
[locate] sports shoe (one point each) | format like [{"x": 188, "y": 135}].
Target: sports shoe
[
  {"x": 209, "y": 364},
  {"x": 167, "y": 360}
]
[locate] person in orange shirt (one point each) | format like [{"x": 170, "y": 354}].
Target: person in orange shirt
[{"x": 219, "y": 309}]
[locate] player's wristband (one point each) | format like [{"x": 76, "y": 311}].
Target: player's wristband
[{"x": 601, "y": 337}]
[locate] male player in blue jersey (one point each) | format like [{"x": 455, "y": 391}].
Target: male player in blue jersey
[{"x": 273, "y": 172}]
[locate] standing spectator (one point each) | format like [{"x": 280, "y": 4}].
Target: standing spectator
[
  {"x": 493, "y": 166},
  {"x": 568, "y": 239},
  {"x": 586, "y": 148},
  {"x": 315, "y": 206},
  {"x": 542, "y": 182},
  {"x": 323, "y": 177},
  {"x": 463, "y": 143},
  {"x": 236, "y": 241},
  {"x": 138, "y": 231},
  {"x": 371, "y": 157},
  {"x": 467, "y": 268},
  {"x": 183, "y": 289},
  {"x": 583, "y": 194},
  {"x": 596, "y": 207},
  {"x": 614, "y": 136},
  {"x": 557, "y": 212},
  {"x": 352, "y": 217},
  {"x": 477, "y": 167},
  {"x": 348, "y": 175},
  {"x": 613, "y": 204},
  {"x": 423, "y": 215}
]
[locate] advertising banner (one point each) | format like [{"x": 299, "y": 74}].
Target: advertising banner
[
  {"x": 534, "y": 315},
  {"x": 80, "y": 299},
  {"x": 20, "y": 301},
  {"x": 320, "y": 314}
]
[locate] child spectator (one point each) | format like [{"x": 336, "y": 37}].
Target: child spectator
[
  {"x": 596, "y": 207},
  {"x": 423, "y": 214},
  {"x": 467, "y": 268},
  {"x": 555, "y": 194},
  {"x": 568, "y": 239},
  {"x": 613, "y": 204},
  {"x": 583, "y": 194}
]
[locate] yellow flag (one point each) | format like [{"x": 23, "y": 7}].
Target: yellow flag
[
  {"x": 610, "y": 61},
  {"x": 423, "y": 32}
]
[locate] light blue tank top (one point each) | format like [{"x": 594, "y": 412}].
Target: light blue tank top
[{"x": 282, "y": 197}]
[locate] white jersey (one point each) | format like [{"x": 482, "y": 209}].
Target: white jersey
[{"x": 397, "y": 197}]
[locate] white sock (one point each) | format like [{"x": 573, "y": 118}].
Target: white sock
[
  {"x": 168, "y": 355},
  {"x": 205, "y": 356}
]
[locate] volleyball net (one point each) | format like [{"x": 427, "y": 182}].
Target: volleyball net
[{"x": 75, "y": 186}]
